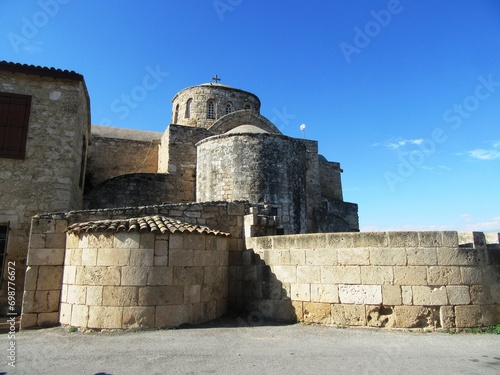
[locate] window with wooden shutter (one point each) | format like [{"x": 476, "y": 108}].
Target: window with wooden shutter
[{"x": 14, "y": 120}]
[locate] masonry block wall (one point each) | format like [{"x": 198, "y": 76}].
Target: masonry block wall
[
  {"x": 153, "y": 267},
  {"x": 115, "y": 152},
  {"x": 50, "y": 176},
  {"x": 44, "y": 272},
  {"x": 140, "y": 280},
  {"x": 394, "y": 279}
]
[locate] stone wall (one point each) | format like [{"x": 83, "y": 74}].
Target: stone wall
[
  {"x": 50, "y": 177},
  {"x": 48, "y": 254},
  {"x": 220, "y": 94},
  {"x": 260, "y": 168},
  {"x": 129, "y": 190},
  {"x": 331, "y": 185},
  {"x": 143, "y": 280},
  {"x": 44, "y": 272},
  {"x": 177, "y": 157},
  {"x": 115, "y": 152},
  {"x": 394, "y": 279}
]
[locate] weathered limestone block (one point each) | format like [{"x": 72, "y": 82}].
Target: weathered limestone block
[
  {"x": 447, "y": 316},
  {"x": 90, "y": 275},
  {"x": 161, "y": 295},
  {"x": 391, "y": 295},
  {"x": 49, "y": 277},
  {"x": 72, "y": 240},
  {"x": 416, "y": 316},
  {"x": 339, "y": 240},
  {"x": 297, "y": 257},
  {"x": 301, "y": 292},
  {"x": 327, "y": 293},
  {"x": 380, "y": 316},
  {"x": 421, "y": 256},
  {"x": 468, "y": 316},
  {"x": 480, "y": 295},
  {"x": 490, "y": 315},
  {"x": 194, "y": 242},
  {"x": 173, "y": 316},
  {"x": 284, "y": 311},
  {"x": 308, "y": 274},
  {"x": 80, "y": 316},
  {"x": 76, "y": 294},
  {"x": 142, "y": 257},
  {"x": 30, "y": 278},
  {"x": 360, "y": 294},
  {"x": 458, "y": 295},
  {"x": 192, "y": 294},
  {"x": 160, "y": 276},
  {"x": 348, "y": 315},
  {"x": 45, "y": 257},
  {"x": 119, "y": 296},
  {"x": 388, "y": 256},
  {"x": 113, "y": 257},
  {"x": 176, "y": 241},
  {"x": 410, "y": 275},
  {"x": 65, "y": 313},
  {"x": 429, "y": 296},
  {"x": 160, "y": 247},
  {"x": 37, "y": 241},
  {"x": 403, "y": 239},
  {"x": 109, "y": 317},
  {"x": 47, "y": 319},
  {"x": 471, "y": 275},
  {"x": 495, "y": 294},
  {"x": 180, "y": 257},
  {"x": 159, "y": 261},
  {"x": 75, "y": 257},
  {"x": 430, "y": 239},
  {"x": 457, "y": 257},
  {"x": 55, "y": 240},
  {"x": 28, "y": 320},
  {"x": 138, "y": 317},
  {"x": 407, "y": 295},
  {"x": 317, "y": 313},
  {"x": 377, "y": 275},
  {"x": 89, "y": 257},
  {"x": 147, "y": 240},
  {"x": 212, "y": 274},
  {"x": 126, "y": 240},
  {"x": 69, "y": 275},
  {"x": 286, "y": 274},
  {"x": 317, "y": 257},
  {"x": 133, "y": 275},
  {"x": 371, "y": 239},
  {"x": 443, "y": 275},
  {"x": 94, "y": 295},
  {"x": 353, "y": 256},
  {"x": 340, "y": 275},
  {"x": 99, "y": 240}
]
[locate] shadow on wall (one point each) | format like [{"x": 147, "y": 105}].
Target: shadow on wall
[{"x": 264, "y": 295}]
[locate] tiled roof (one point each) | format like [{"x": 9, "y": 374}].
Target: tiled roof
[
  {"x": 158, "y": 223},
  {"x": 39, "y": 70}
]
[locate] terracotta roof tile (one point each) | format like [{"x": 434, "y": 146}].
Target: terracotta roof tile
[
  {"x": 155, "y": 223},
  {"x": 39, "y": 70}
]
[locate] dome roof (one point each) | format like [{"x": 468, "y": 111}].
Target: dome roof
[{"x": 246, "y": 129}]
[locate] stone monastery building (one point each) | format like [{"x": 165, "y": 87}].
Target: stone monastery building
[{"x": 113, "y": 228}]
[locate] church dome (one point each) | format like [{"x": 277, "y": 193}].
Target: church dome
[{"x": 246, "y": 129}]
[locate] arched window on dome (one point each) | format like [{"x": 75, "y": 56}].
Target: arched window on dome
[
  {"x": 176, "y": 114},
  {"x": 211, "y": 110},
  {"x": 188, "y": 108},
  {"x": 229, "y": 108}
]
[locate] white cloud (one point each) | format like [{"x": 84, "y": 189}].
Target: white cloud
[
  {"x": 482, "y": 154},
  {"x": 400, "y": 142}
]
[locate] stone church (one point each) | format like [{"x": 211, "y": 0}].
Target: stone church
[
  {"x": 218, "y": 147},
  {"x": 108, "y": 228}
]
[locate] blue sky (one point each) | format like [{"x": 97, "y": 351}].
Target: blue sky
[{"x": 404, "y": 94}]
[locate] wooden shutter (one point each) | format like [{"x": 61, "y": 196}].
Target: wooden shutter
[{"x": 14, "y": 121}]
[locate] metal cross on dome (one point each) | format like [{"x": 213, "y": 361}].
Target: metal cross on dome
[{"x": 216, "y": 78}]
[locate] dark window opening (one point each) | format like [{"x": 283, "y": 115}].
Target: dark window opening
[
  {"x": 280, "y": 231},
  {"x": 188, "y": 108},
  {"x": 14, "y": 120},
  {"x": 210, "y": 110},
  {"x": 3, "y": 247}
]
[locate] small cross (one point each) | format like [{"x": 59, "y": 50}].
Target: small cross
[{"x": 216, "y": 79}]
